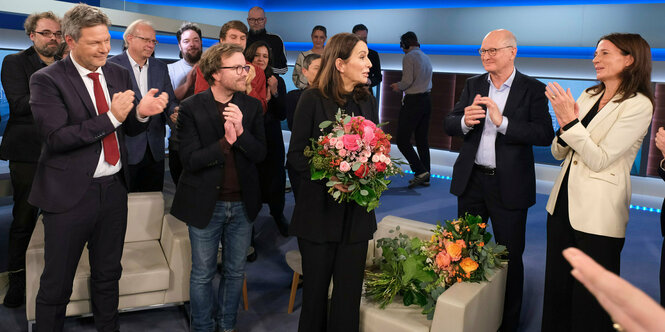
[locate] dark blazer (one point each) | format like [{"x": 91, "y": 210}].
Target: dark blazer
[
  {"x": 158, "y": 78},
  {"x": 661, "y": 172},
  {"x": 529, "y": 123},
  {"x": 316, "y": 216},
  {"x": 72, "y": 132},
  {"x": 375, "y": 75},
  {"x": 200, "y": 128},
  {"x": 21, "y": 139}
]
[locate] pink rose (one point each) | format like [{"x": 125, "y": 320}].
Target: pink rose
[
  {"x": 351, "y": 142},
  {"x": 341, "y": 152},
  {"x": 362, "y": 159},
  {"x": 442, "y": 260},
  {"x": 367, "y": 123},
  {"x": 376, "y": 158},
  {"x": 339, "y": 145},
  {"x": 344, "y": 166},
  {"x": 368, "y": 137}
]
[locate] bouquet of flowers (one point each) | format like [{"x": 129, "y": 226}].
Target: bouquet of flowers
[
  {"x": 355, "y": 152},
  {"x": 420, "y": 271}
]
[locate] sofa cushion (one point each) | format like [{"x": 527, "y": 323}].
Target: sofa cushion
[
  {"x": 144, "y": 269},
  {"x": 144, "y": 216}
]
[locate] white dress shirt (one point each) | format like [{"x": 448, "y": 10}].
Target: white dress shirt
[
  {"x": 140, "y": 74},
  {"x": 486, "y": 154}
]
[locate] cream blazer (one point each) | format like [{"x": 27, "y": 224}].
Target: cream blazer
[{"x": 599, "y": 189}]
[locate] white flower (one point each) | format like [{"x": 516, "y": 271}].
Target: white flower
[{"x": 376, "y": 158}]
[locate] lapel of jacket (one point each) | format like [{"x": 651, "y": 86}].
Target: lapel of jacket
[
  {"x": 482, "y": 89},
  {"x": 77, "y": 82},
  {"x": 517, "y": 90},
  {"x": 34, "y": 59},
  {"x": 124, "y": 61},
  {"x": 153, "y": 73},
  {"x": 210, "y": 111},
  {"x": 609, "y": 108}
]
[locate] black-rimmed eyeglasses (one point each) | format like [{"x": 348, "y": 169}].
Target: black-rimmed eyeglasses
[
  {"x": 238, "y": 69},
  {"x": 256, "y": 20},
  {"x": 491, "y": 51},
  {"x": 49, "y": 34}
]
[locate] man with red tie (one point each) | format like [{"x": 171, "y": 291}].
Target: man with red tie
[{"x": 83, "y": 107}]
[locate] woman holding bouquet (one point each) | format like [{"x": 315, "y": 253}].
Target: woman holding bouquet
[
  {"x": 332, "y": 236},
  {"x": 599, "y": 138}
]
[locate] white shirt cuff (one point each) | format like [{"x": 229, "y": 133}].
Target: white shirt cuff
[
  {"x": 465, "y": 129},
  {"x": 114, "y": 121},
  {"x": 142, "y": 119},
  {"x": 504, "y": 126}
]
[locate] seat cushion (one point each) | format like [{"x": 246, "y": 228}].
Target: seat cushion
[
  {"x": 144, "y": 269},
  {"x": 144, "y": 216},
  {"x": 394, "y": 318}
]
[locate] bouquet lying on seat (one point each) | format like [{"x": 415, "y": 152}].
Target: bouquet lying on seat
[
  {"x": 421, "y": 270},
  {"x": 355, "y": 152}
]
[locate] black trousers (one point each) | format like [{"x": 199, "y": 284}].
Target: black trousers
[
  {"x": 662, "y": 274},
  {"x": 147, "y": 175},
  {"x": 175, "y": 166},
  {"x": 100, "y": 220},
  {"x": 482, "y": 197},
  {"x": 567, "y": 304},
  {"x": 272, "y": 174},
  {"x": 345, "y": 263},
  {"x": 414, "y": 120},
  {"x": 25, "y": 215}
]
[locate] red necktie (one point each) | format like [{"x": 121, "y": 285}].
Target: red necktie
[{"x": 110, "y": 143}]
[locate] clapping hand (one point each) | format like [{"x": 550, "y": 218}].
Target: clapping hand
[
  {"x": 474, "y": 112},
  {"x": 151, "y": 105},
  {"x": 121, "y": 104},
  {"x": 563, "y": 103},
  {"x": 230, "y": 132},
  {"x": 493, "y": 109},
  {"x": 660, "y": 140},
  {"x": 233, "y": 115}
]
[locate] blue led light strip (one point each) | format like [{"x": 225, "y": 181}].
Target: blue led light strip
[{"x": 634, "y": 207}]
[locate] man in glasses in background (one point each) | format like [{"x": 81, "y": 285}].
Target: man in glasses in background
[
  {"x": 256, "y": 18},
  {"x": 146, "y": 150},
  {"x": 21, "y": 144},
  {"x": 221, "y": 140},
  {"x": 501, "y": 114}
]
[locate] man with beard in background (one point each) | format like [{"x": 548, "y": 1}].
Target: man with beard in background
[
  {"x": 257, "y": 31},
  {"x": 21, "y": 144}
]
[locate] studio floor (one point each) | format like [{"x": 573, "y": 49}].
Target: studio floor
[{"x": 269, "y": 277}]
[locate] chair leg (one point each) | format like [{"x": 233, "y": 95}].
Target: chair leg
[
  {"x": 244, "y": 293},
  {"x": 294, "y": 288}
]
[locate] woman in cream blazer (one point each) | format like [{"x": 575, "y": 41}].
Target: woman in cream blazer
[{"x": 599, "y": 138}]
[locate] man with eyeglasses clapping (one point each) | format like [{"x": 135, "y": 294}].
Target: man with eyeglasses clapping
[
  {"x": 501, "y": 114},
  {"x": 146, "y": 150}
]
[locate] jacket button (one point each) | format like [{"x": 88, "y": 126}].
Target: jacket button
[{"x": 575, "y": 162}]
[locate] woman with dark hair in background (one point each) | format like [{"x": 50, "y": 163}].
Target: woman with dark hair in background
[
  {"x": 599, "y": 138},
  {"x": 319, "y": 35},
  {"x": 332, "y": 236},
  {"x": 272, "y": 175}
]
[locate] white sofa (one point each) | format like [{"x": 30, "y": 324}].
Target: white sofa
[
  {"x": 464, "y": 307},
  {"x": 156, "y": 261}
]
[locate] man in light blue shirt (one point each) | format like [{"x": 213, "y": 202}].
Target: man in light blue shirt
[{"x": 501, "y": 115}]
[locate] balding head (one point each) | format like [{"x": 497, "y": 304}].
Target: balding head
[
  {"x": 498, "y": 52},
  {"x": 256, "y": 18}
]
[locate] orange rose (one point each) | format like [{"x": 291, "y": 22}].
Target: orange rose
[
  {"x": 454, "y": 250},
  {"x": 482, "y": 225},
  {"x": 468, "y": 265},
  {"x": 461, "y": 243},
  {"x": 481, "y": 244}
]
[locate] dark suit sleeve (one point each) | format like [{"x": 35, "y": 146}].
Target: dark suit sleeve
[
  {"x": 537, "y": 130},
  {"x": 193, "y": 155},
  {"x": 252, "y": 142},
  {"x": 277, "y": 105},
  {"x": 59, "y": 132},
  {"x": 15, "y": 82},
  {"x": 375, "y": 75},
  {"x": 661, "y": 172},
  {"x": 452, "y": 124},
  {"x": 303, "y": 130},
  {"x": 173, "y": 102},
  {"x": 279, "y": 57}
]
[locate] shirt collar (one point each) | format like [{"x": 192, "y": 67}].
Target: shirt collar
[
  {"x": 507, "y": 83},
  {"x": 82, "y": 70},
  {"x": 134, "y": 63}
]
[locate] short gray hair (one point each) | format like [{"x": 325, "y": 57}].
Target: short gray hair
[
  {"x": 82, "y": 16},
  {"x": 30, "y": 23},
  {"x": 131, "y": 28}
]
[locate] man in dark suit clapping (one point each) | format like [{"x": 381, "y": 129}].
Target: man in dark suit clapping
[
  {"x": 660, "y": 144},
  {"x": 146, "y": 150},
  {"x": 83, "y": 107},
  {"x": 222, "y": 138},
  {"x": 21, "y": 144},
  {"x": 501, "y": 115}
]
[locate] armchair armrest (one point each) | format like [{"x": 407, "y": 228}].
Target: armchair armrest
[{"x": 178, "y": 253}]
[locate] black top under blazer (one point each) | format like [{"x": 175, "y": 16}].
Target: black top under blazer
[
  {"x": 529, "y": 123},
  {"x": 316, "y": 216},
  {"x": 200, "y": 128}
]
